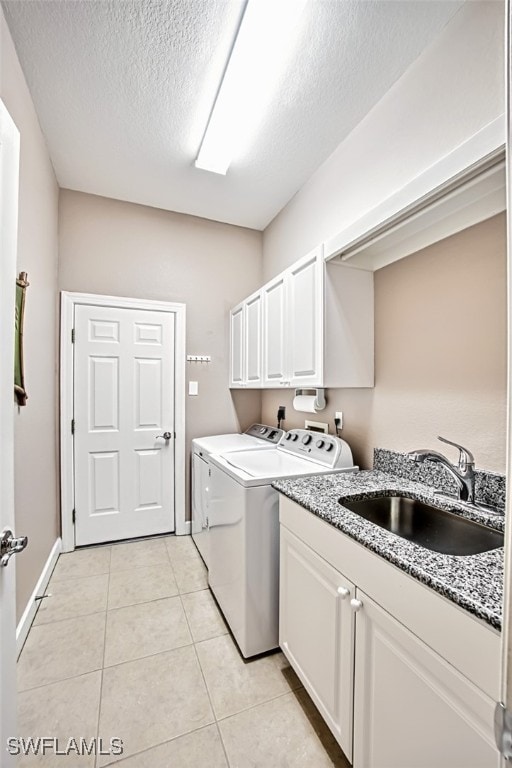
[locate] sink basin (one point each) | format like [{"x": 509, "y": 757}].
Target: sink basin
[{"x": 431, "y": 527}]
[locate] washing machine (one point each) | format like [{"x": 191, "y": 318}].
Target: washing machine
[
  {"x": 257, "y": 437},
  {"x": 243, "y": 518}
]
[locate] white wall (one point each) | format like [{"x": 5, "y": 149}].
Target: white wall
[
  {"x": 449, "y": 93},
  {"x": 437, "y": 377},
  {"x": 36, "y": 497}
]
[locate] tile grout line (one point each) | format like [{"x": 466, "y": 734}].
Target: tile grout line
[
  {"x": 68, "y": 618},
  {"x": 103, "y": 662},
  {"x": 206, "y": 688},
  {"x": 160, "y": 744},
  {"x": 21, "y": 691},
  {"x": 260, "y": 704}
]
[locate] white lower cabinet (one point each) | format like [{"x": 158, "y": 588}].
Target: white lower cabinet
[
  {"x": 316, "y": 632},
  {"x": 390, "y": 700},
  {"x": 411, "y": 708}
]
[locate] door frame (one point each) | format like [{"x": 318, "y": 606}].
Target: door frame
[
  {"x": 69, "y": 300},
  {"x": 9, "y": 189}
]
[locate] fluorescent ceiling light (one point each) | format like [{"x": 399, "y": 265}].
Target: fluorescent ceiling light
[{"x": 263, "y": 43}]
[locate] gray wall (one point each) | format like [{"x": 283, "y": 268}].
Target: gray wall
[
  {"x": 121, "y": 249},
  {"x": 35, "y": 424},
  {"x": 440, "y": 354}
]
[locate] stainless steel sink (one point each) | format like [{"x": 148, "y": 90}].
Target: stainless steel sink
[{"x": 433, "y": 528}]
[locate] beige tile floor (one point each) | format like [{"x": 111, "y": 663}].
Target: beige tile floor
[{"x": 132, "y": 645}]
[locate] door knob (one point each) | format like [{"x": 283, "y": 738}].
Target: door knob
[
  {"x": 165, "y": 436},
  {"x": 10, "y": 545},
  {"x": 356, "y": 604},
  {"x": 343, "y": 592}
]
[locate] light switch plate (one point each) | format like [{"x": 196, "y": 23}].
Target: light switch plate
[{"x": 193, "y": 387}]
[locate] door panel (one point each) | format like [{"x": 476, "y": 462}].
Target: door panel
[
  {"x": 306, "y": 321},
  {"x": 316, "y": 632},
  {"x": 104, "y": 393},
  {"x": 237, "y": 337},
  {"x": 148, "y": 393},
  {"x": 274, "y": 347},
  {"x": 123, "y": 400},
  {"x": 253, "y": 340}
]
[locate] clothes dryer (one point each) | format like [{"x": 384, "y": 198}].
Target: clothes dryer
[{"x": 257, "y": 437}]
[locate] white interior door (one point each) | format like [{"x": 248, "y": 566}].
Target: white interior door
[
  {"x": 9, "y": 165},
  {"x": 123, "y": 405}
]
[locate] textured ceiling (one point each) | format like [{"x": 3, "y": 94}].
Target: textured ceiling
[{"x": 124, "y": 88}]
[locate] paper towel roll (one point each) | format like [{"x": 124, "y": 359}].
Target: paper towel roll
[{"x": 305, "y": 403}]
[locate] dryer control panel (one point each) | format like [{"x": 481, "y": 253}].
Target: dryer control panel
[
  {"x": 264, "y": 432},
  {"x": 328, "y": 450}
]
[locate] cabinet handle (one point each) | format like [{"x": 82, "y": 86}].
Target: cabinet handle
[
  {"x": 356, "y": 605},
  {"x": 343, "y": 592}
]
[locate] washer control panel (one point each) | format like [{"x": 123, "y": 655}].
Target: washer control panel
[
  {"x": 264, "y": 432},
  {"x": 327, "y": 450}
]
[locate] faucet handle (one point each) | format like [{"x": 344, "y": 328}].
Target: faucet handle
[{"x": 466, "y": 458}]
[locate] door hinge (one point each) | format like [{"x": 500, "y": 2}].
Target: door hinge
[
  {"x": 72, "y": 335},
  {"x": 503, "y": 730},
  {"x": 72, "y": 426},
  {"x": 73, "y": 516}
]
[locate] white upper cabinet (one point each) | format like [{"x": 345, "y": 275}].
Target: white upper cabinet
[
  {"x": 275, "y": 364},
  {"x": 237, "y": 325},
  {"x": 311, "y": 326},
  {"x": 305, "y": 320},
  {"x": 252, "y": 339}
]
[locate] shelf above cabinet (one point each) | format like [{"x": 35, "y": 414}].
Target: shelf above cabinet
[{"x": 463, "y": 188}]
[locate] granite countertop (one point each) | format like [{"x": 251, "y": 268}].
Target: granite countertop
[{"x": 474, "y": 582}]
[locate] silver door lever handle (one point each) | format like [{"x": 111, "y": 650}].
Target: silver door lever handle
[
  {"x": 165, "y": 436},
  {"x": 10, "y": 545}
]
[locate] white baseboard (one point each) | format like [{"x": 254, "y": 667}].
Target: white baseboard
[
  {"x": 184, "y": 529},
  {"x": 26, "y": 620}
]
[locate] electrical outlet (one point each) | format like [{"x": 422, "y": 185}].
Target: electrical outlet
[{"x": 339, "y": 415}]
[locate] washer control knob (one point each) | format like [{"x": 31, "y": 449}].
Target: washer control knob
[
  {"x": 320, "y": 443},
  {"x": 306, "y": 439},
  {"x": 295, "y": 436},
  {"x": 288, "y": 436},
  {"x": 329, "y": 447},
  {"x": 263, "y": 430}
]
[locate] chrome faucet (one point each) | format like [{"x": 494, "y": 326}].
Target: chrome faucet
[{"x": 463, "y": 472}]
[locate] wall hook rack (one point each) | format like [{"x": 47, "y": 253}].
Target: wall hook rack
[{"x": 199, "y": 359}]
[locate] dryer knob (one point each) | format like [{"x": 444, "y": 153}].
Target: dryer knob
[
  {"x": 306, "y": 439},
  {"x": 295, "y": 436},
  {"x": 289, "y": 437},
  {"x": 320, "y": 443},
  {"x": 263, "y": 430},
  {"x": 329, "y": 447}
]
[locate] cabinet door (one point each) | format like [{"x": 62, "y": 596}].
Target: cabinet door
[
  {"x": 252, "y": 340},
  {"x": 305, "y": 320},
  {"x": 237, "y": 346},
  {"x": 274, "y": 330},
  {"x": 316, "y": 632},
  {"x": 413, "y": 709}
]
